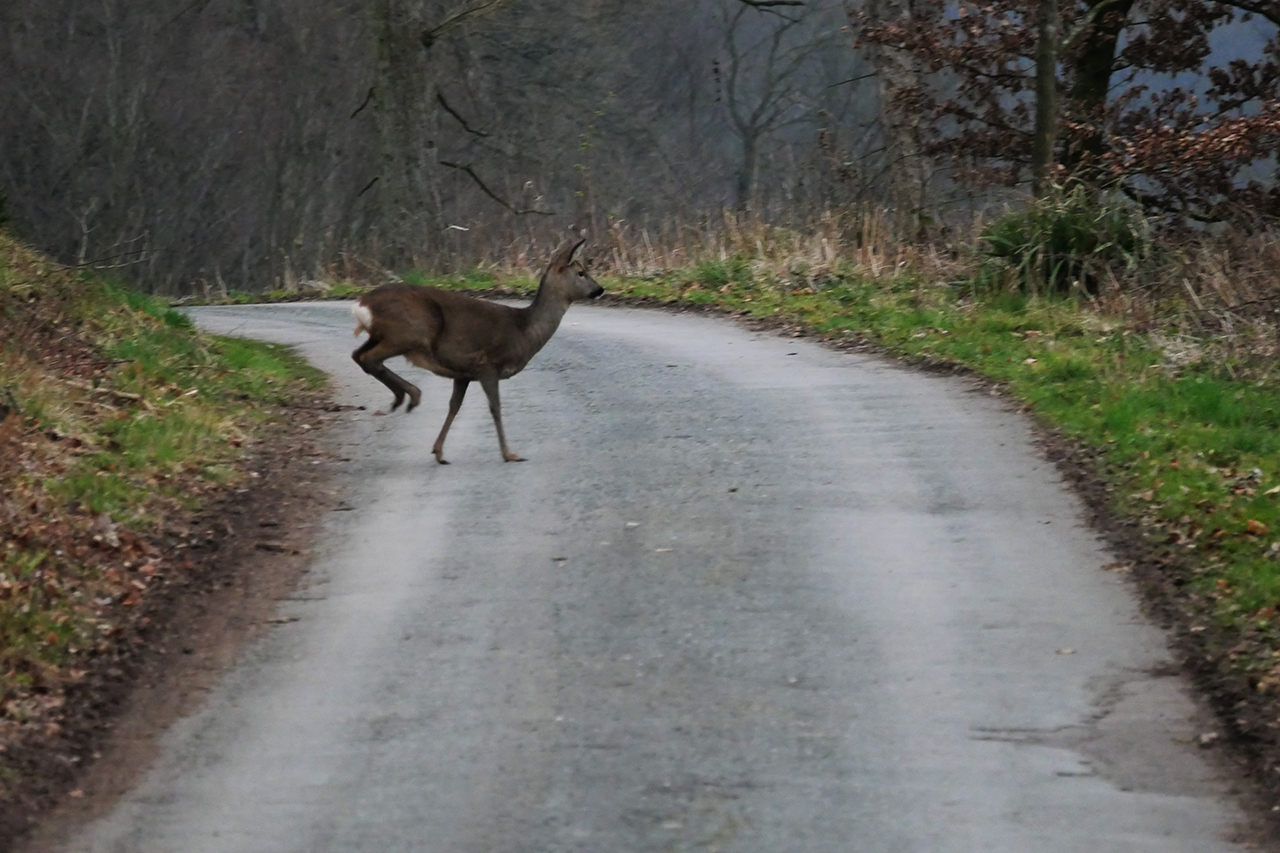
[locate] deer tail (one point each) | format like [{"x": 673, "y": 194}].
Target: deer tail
[{"x": 364, "y": 317}]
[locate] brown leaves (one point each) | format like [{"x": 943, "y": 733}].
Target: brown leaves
[
  {"x": 11, "y": 426},
  {"x": 1179, "y": 151}
]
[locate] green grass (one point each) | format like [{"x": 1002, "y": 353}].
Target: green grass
[
  {"x": 202, "y": 394},
  {"x": 122, "y": 408}
]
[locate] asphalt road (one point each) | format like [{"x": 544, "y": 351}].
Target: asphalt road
[{"x": 747, "y": 594}]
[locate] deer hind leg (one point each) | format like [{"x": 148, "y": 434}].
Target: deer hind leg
[
  {"x": 490, "y": 386},
  {"x": 455, "y": 403},
  {"x": 370, "y": 356}
]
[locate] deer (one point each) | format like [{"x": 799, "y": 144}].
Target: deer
[{"x": 464, "y": 338}]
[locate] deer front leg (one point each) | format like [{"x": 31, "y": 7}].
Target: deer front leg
[
  {"x": 370, "y": 356},
  {"x": 455, "y": 403},
  {"x": 490, "y": 386}
]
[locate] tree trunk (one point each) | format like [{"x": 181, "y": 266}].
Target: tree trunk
[
  {"x": 908, "y": 169},
  {"x": 406, "y": 219},
  {"x": 1092, "y": 66},
  {"x": 1046, "y": 129},
  {"x": 747, "y": 175}
]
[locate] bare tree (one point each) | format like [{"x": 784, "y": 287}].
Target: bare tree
[
  {"x": 762, "y": 91},
  {"x": 224, "y": 143}
]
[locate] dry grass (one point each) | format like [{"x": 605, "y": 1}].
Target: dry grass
[{"x": 1211, "y": 296}]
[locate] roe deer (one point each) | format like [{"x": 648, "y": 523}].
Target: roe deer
[{"x": 463, "y": 338}]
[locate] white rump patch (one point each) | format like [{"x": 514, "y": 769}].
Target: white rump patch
[{"x": 364, "y": 317}]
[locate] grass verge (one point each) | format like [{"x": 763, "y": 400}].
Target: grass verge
[{"x": 118, "y": 422}]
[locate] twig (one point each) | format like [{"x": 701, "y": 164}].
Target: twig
[
  {"x": 457, "y": 19},
  {"x": 767, "y": 6},
  {"x": 201, "y": 4},
  {"x": 852, "y": 80},
  {"x": 451, "y": 111},
  {"x": 373, "y": 92},
  {"x": 491, "y": 194},
  {"x": 98, "y": 264},
  {"x": 111, "y": 392}
]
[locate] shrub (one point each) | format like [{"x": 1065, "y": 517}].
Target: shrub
[{"x": 1068, "y": 240}]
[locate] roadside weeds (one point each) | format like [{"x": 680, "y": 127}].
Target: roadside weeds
[{"x": 129, "y": 446}]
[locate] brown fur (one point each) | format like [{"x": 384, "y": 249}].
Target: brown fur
[{"x": 463, "y": 338}]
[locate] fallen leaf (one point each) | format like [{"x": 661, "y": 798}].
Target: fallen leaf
[{"x": 1258, "y": 528}]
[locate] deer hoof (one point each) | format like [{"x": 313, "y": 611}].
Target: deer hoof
[{"x": 512, "y": 457}]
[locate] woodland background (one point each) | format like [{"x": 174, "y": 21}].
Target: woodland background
[{"x": 247, "y": 144}]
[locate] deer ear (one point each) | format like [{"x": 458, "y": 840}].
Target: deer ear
[{"x": 564, "y": 255}]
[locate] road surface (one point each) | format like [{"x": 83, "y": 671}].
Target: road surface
[{"x": 747, "y": 594}]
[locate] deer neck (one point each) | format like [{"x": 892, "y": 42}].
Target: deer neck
[{"x": 543, "y": 316}]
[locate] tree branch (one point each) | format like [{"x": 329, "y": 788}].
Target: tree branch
[
  {"x": 462, "y": 167},
  {"x": 373, "y": 90},
  {"x": 462, "y": 121},
  {"x": 1084, "y": 24},
  {"x": 198, "y": 5},
  {"x": 853, "y": 80},
  {"x": 458, "y": 18},
  {"x": 1264, "y": 10},
  {"x": 767, "y": 6}
]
